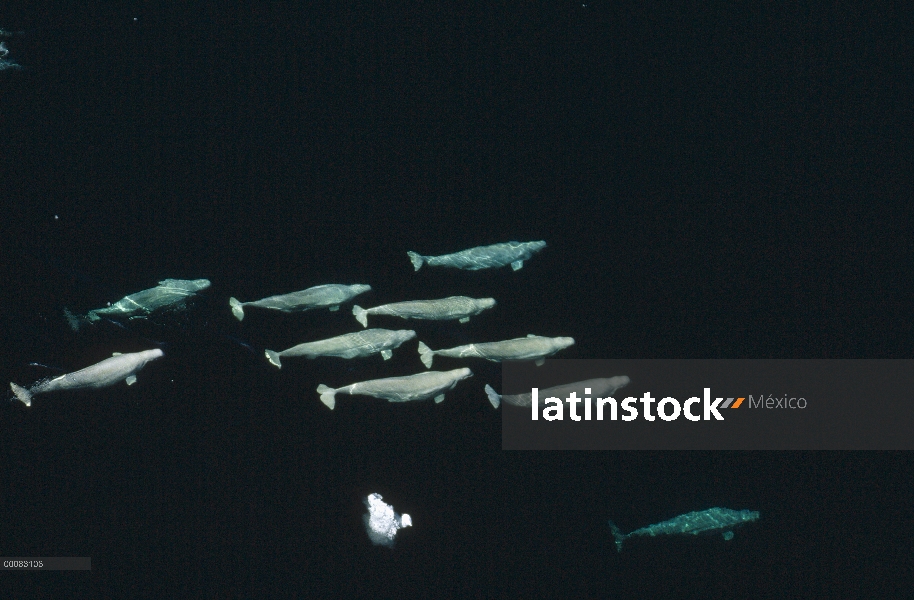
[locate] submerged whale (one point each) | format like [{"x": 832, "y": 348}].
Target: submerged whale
[
  {"x": 170, "y": 294},
  {"x": 589, "y": 388},
  {"x": 712, "y": 520}
]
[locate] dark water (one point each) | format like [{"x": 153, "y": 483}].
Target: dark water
[{"x": 710, "y": 186}]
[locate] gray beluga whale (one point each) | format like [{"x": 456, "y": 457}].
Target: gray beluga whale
[
  {"x": 589, "y": 388},
  {"x": 169, "y": 294},
  {"x": 320, "y": 296},
  {"x": 712, "y": 520},
  {"x": 350, "y": 345},
  {"x": 120, "y": 367},
  {"x": 454, "y": 308},
  {"x": 532, "y": 347},
  {"x": 482, "y": 257},
  {"x": 422, "y": 386}
]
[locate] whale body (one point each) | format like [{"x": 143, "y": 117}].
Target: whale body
[
  {"x": 599, "y": 388},
  {"x": 482, "y": 257},
  {"x": 169, "y": 294},
  {"x": 422, "y": 386},
  {"x": 350, "y": 345},
  {"x": 532, "y": 347},
  {"x": 320, "y": 296},
  {"x": 712, "y": 520},
  {"x": 120, "y": 367},
  {"x": 454, "y": 308}
]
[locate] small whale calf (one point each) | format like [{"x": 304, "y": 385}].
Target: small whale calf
[
  {"x": 422, "y": 386},
  {"x": 320, "y": 296},
  {"x": 482, "y": 257},
  {"x": 120, "y": 367},
  {"x": 170, "y": 294},
  {"x": 589, "y": 388},
  {"x": 532, "y": 347},
  {"x": 455, "y": 308},
  {"x": 350, "y": 345}
]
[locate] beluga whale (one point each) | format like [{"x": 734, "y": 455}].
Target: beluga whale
[
  {"x": 482, "y": 257},
  {"x": 712, "y": 520},
  {"x": 120, "y": 367},
  {"x": 430, "y": 384},
  {"x": 350, "y": 345},
  {"x": 320, "y": 296},
  {"x": 454, "y": 308},
  {"x": 532, "y": 347},
  {"x": 587, "y": 389},
  {"x": 170, "y": 294}
]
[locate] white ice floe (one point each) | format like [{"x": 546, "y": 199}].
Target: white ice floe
[{"x": 382, "y": 522}]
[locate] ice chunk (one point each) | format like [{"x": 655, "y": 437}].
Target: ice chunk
[{"x": 381, "y": 522}]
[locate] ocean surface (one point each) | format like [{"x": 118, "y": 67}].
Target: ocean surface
[{"x": 710, "y": 185}]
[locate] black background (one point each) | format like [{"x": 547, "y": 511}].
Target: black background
[{"x": 712, "y": 182}]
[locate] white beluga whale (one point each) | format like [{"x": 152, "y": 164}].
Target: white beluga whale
[
  {"x": 350, "y": 345},
  {"x": 120, "y": 367},
  {"x": 454, "y": 308},
  {"x": 320, "y": 296},
  {"x": 170, "y": 294},
  {"x": 712, "y": 520},
  {"x": 482, "y": 257},
  {"x": 382, "y": 522},
  {"x": 589, "y": 388},
  {"x": 532, "y": 347},
  {"x": 422, "y": 386}
]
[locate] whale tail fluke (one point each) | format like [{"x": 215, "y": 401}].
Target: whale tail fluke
[
  {"x": 494, "y": 398},
  {"x": 360, "y": 314},
  {"x": 237, "y": 309},
  {"x": 618, "y": 535},
  {"x": 416, "y": 259},
  {"x": 75, "y": 321},
  {"x": 426, "y": 354},
  {"x": 23, "y": 394},
  {"x": 273, "y": 357}
]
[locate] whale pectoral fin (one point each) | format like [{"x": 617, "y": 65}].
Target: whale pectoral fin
[
  {"x": 334, "y": 308},
  {"x": 517, "y": 264},
  {"x": 540, "y": 362},
  {"x": 465, "y": 320},
  {"x": 131, "y": 380},
  {"x": 439, "y": 398},
  {"x": 386, "y": 354}
]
